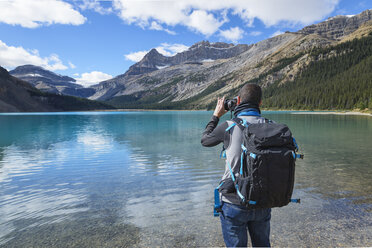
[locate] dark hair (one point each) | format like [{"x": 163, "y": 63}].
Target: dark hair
[{"x": 251, "y": 93}]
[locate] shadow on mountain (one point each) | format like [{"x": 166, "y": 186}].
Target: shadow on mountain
[{"x": 19, "y": 96}]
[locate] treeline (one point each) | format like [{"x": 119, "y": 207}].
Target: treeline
[
  {"x": 68, "y": 103},
  {"x": 339, "y": 77}
]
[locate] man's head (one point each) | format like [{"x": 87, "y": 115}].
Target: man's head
[{"x": 250, "y": 93}]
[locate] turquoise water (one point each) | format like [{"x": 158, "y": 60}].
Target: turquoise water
[{"x": 140, "y": 179}]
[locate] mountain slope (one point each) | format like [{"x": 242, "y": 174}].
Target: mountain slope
[
  {"x": 19, "y": 96},
  {"x": 186, "y": 80},
  {"x": 271, "y": 63},
  {"x": 339, "y": 77},
  {"x": 15, "y": 96},
  {"x": 338, "y": 26},
  {"x": 156, "y": 70},
  {"x": 48, "y": 81},
  {"x": 197, "y": 53}
]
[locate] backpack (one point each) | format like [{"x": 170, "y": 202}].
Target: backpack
[{"x": 267, "y": 170}]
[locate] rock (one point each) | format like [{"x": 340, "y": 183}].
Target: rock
[
  {"x": 51, "y": 82},
  {"x": 338, "y": 26}
]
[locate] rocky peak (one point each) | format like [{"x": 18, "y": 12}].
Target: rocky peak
[
  {"x": 152, "y": 59},
  {"x": 203, "y": 50},
  {"x": 338, "y": 26},
  {"x": 153, "y": 53},
  {"x": 222, "y": 45},
  {"x": 150, "y": 62},
  {"x": 209, "y": 51},
  {"x": 49, "y": 81},
  {"x": 203, "y": 43},
  {"x": 207, "y": 44},
  {"x": 32, "y": 71}
]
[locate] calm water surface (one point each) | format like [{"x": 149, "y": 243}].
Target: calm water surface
[{"x": 139, "y": 179}]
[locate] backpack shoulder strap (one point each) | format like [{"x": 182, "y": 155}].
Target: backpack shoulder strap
[
  {"x": 236, "y": 122},
  {"x": 241, "y": 123}
]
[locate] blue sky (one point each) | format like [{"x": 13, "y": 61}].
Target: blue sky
[{"x": 95, "y": 40}]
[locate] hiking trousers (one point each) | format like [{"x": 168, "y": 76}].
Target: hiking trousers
[{"x": 237, "y": 221}]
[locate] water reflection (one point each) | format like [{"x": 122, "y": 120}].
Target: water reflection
[{"x": 131, "y": 179}]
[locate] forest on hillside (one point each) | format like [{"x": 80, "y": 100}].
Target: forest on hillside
[{"x": 340, "y": 77}]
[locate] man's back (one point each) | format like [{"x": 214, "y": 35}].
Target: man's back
[
  {"x": 237, "y": 220},
  {"x": 233, "y": 152}
]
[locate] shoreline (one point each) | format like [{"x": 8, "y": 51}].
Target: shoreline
[
  {"x": 138, "y": 110},
  {"x": 292, "y": 111},
  {"x": 330, "y": 112},
  {"x": 320, "y": 112}
]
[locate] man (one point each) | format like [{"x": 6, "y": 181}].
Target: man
[{"x": 237, "y": 220}]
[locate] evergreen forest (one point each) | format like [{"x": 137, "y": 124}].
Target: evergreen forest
[{"x": 340, "y": 77}]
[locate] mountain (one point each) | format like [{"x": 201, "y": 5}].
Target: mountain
[
  {"x": 338, "y": 26},
  {"x": 197, "y": 55},
  {"x": 338, "y": 77},
  {"x": 19, "y": 96},
  {"x": 48, "y": 81},
  {"x": 293, "y": 68},
  {"x": 195, "y": 80},
  {"x": 15, "y": 96}
]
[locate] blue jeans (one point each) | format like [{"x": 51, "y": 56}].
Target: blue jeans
[{"x": 237, "y": 220}]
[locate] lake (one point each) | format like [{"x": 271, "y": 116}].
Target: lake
[{"x": 140, "y": 179}]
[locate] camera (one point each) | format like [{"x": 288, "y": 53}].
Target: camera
[{"x": 230, "y": 104}]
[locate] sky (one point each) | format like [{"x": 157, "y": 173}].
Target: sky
[{"x": 93, "y": 41}]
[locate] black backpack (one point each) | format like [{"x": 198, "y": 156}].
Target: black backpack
[{"x": 267, "y": 171}]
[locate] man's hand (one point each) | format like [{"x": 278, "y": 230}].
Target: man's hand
[{"x": 220, "y": 109}]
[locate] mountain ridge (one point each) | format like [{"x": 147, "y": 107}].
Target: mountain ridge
[
  {"x": 196, "y": 76},
  {"x": 203, "y": 50},
  {"x": 281, "y": 58},
  {"x": 48, "y": 81},
  {"x": 338, "y": 26},
  {"x": 17, "y": 95}
]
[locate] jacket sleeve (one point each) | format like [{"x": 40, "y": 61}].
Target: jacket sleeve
[{"x": 213, "y": 134}]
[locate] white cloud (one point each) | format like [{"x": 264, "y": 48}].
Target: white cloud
[
  {"x": 32, "y": 14},
  {"x": 93, "y": 141},
  {"x": 203, "y": 22},
  {"x": 96, "y": 6},
  {"x": 277, "y": 33},
  {"x": 232, "y": 34},
  {"x": 71, "y": 65},
  {"x": 158, "y": 27},
  {"x": 272, "y": 12},
  {"x": 164, "y": 48},
  {"x": 140, "y": 12},
  {"x": 11, "y": 57},
  {"x": 135, "y": 56},
  {"x": 255, "y": 33},
  {"x": 171, "y": 49},
  {"x": 90, "y": 78},
  {"x": 207, "y": 17}
]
